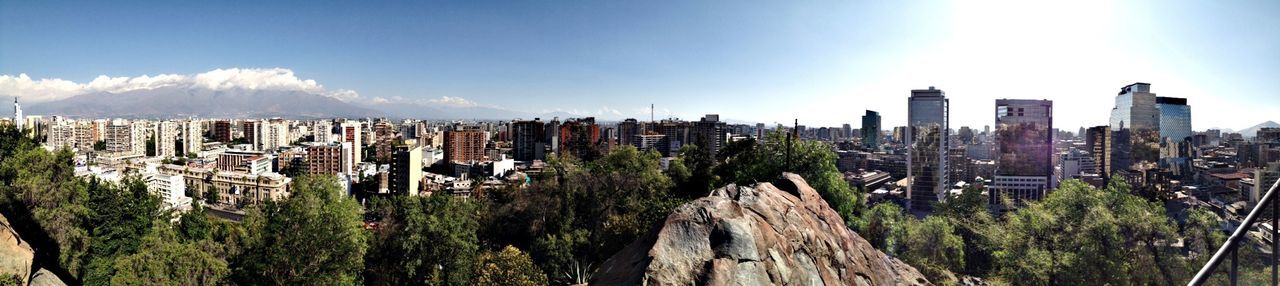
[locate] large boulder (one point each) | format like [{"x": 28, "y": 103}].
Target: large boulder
[
  {"x": 764, "y": 234},
  {"x": 16, "y": 255}
]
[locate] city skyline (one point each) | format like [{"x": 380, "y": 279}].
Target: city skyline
[{"x": 832, "y": 62}]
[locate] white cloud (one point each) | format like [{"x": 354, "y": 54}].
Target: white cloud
[
  {"x": 220, "y": 79},
  {"x": 451, "y": 101}
]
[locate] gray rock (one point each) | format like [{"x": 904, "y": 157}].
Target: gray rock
[{"x": 754, "y": 236}]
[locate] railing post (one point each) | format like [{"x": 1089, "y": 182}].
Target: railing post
[
  {"x": 1235, "y": 257},
  {"x": 1275, "y": 241}
]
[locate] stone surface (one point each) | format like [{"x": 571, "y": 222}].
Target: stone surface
[
  {"x": 760, "y": 235},
  {"x": 15, "y": 254},
  {"x": 45, "y": 278}
]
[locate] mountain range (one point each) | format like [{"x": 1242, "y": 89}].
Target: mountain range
[
  {"x": 1253, "y": 130},
  {"x": 185, "y": 101}
]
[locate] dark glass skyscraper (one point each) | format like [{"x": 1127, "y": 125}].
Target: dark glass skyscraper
[
  {"x": 1024, "y": 149},
  {"x": 1136, "y": 120},
  {"x": 1175, "y": 118},
  {"x": 928, "y": 111},
  {"x": 871, "y": 130}
]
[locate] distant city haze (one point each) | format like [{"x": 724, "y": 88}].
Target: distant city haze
[{"x": 823, "y": 63}]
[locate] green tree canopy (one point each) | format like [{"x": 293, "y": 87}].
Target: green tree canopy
[{"x": 315, "y": 237}]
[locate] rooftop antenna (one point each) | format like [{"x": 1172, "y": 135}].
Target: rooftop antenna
[{"x": 650, "y": 112}]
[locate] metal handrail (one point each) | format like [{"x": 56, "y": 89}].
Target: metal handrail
[{"x": 1229, "y": 248}]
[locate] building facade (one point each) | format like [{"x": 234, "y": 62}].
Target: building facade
[
  {"x": 871, "y": 131},
  {"x": 928, "y": 112},
  {"x": 1024, "y": 150}
]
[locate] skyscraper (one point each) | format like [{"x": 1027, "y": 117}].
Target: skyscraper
[
  {"x": 1098, "y": 143},
  {"x": 1175, "y": 118},
  {"x": 1136, "y": 119},
  {"x": 871, "y": 130},
  {"x": 222, "y": 131},
  {"x": 627, "y": 130},
  {"x": 927, "y": 118},
  {"x": 709, "y": 133},
  {"x": 1024, "y": 150}
]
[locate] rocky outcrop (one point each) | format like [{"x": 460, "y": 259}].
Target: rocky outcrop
[
  {"x": 16, "y": 255},
  {"x": 765, "y": 234},
  {"x": 45, "y": 278}
]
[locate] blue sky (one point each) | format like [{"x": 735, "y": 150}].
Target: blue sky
[{"x": 823, "y": 62}]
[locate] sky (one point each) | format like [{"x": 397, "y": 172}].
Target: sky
[{"x": 822, "y": 62}]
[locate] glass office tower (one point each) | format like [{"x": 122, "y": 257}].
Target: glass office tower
[
  {"x": 1024, "y": 150},
  {"x": 927, "y": 116}
]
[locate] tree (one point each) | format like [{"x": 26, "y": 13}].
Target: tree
[
  {"x": 423, "y": 240},
  {"x": 746, "y": 162},
  {"x": 886, "y": 227},
  {"x": 121, "y": 215},
  {"x": 162, "y": 260},
  {"x": 100, "y": 145},
  {"x": 933, "y": 246},
  {"x": 195, "y": 225},
  {"x": 44, "y": 201},
  {"x": 510, "y": 266},
  {"x": 314, "y": 237},
  {"x": 151, "y": 146}
]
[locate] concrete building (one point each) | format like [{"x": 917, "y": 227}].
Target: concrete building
[
  {"x": 192, "y": 136},
  {"x": 350, "y": 132},
  {"x": 233, "y": 188},
  {"x": 61, "y": 134},
  {"x": 871, "y": 131},
  {"x": 322, "y": 132},
  {"x": 709, "y": 133},
  {"x": 126, "y": 138},
  {"x": 655, "y": 142},
  {"x": 329, "y": 159},
  {"x": 464, "y": 145},
  {"x": 221, "y": 131},
  {"x": 579, "y": 137},
  {"x": 928, "y": 112},
  {"x": 529, "y": 140},
  {"x": 1024, "y": 150},
  {"x": 166, "y": 139},
  {"x": 406, "y": 170}
]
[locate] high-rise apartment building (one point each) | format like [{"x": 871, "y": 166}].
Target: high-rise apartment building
[
  {"x": 529, "y": 140},
  {"x": 86, "y": 135},
  {"x": 464, "y": 145},
  {"x": 329, "y": 159},
  {"x": 406, "y": 170},
  {"x": 252, "y": 130},
  {"x": 1024, "y": 150},
  {"x": 127, "y": 138},
  {"x": 928, "y": 112},
  {"x": 350, "y": 132},
  {"x": 627, "y": 130},
  {"x": 322, "y": 131},
  {"x": 871, "y": 131},
  {"x": 192, "y": 136},
  {"x": 221, "y": 131},
  {"x": 1098, "y": 143},
  {"x": 579, "y": 137},
  {"x": 709, "y": 133},
  {"x": 61, "y": 134},
  {"x": 166, "y": 139}
]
